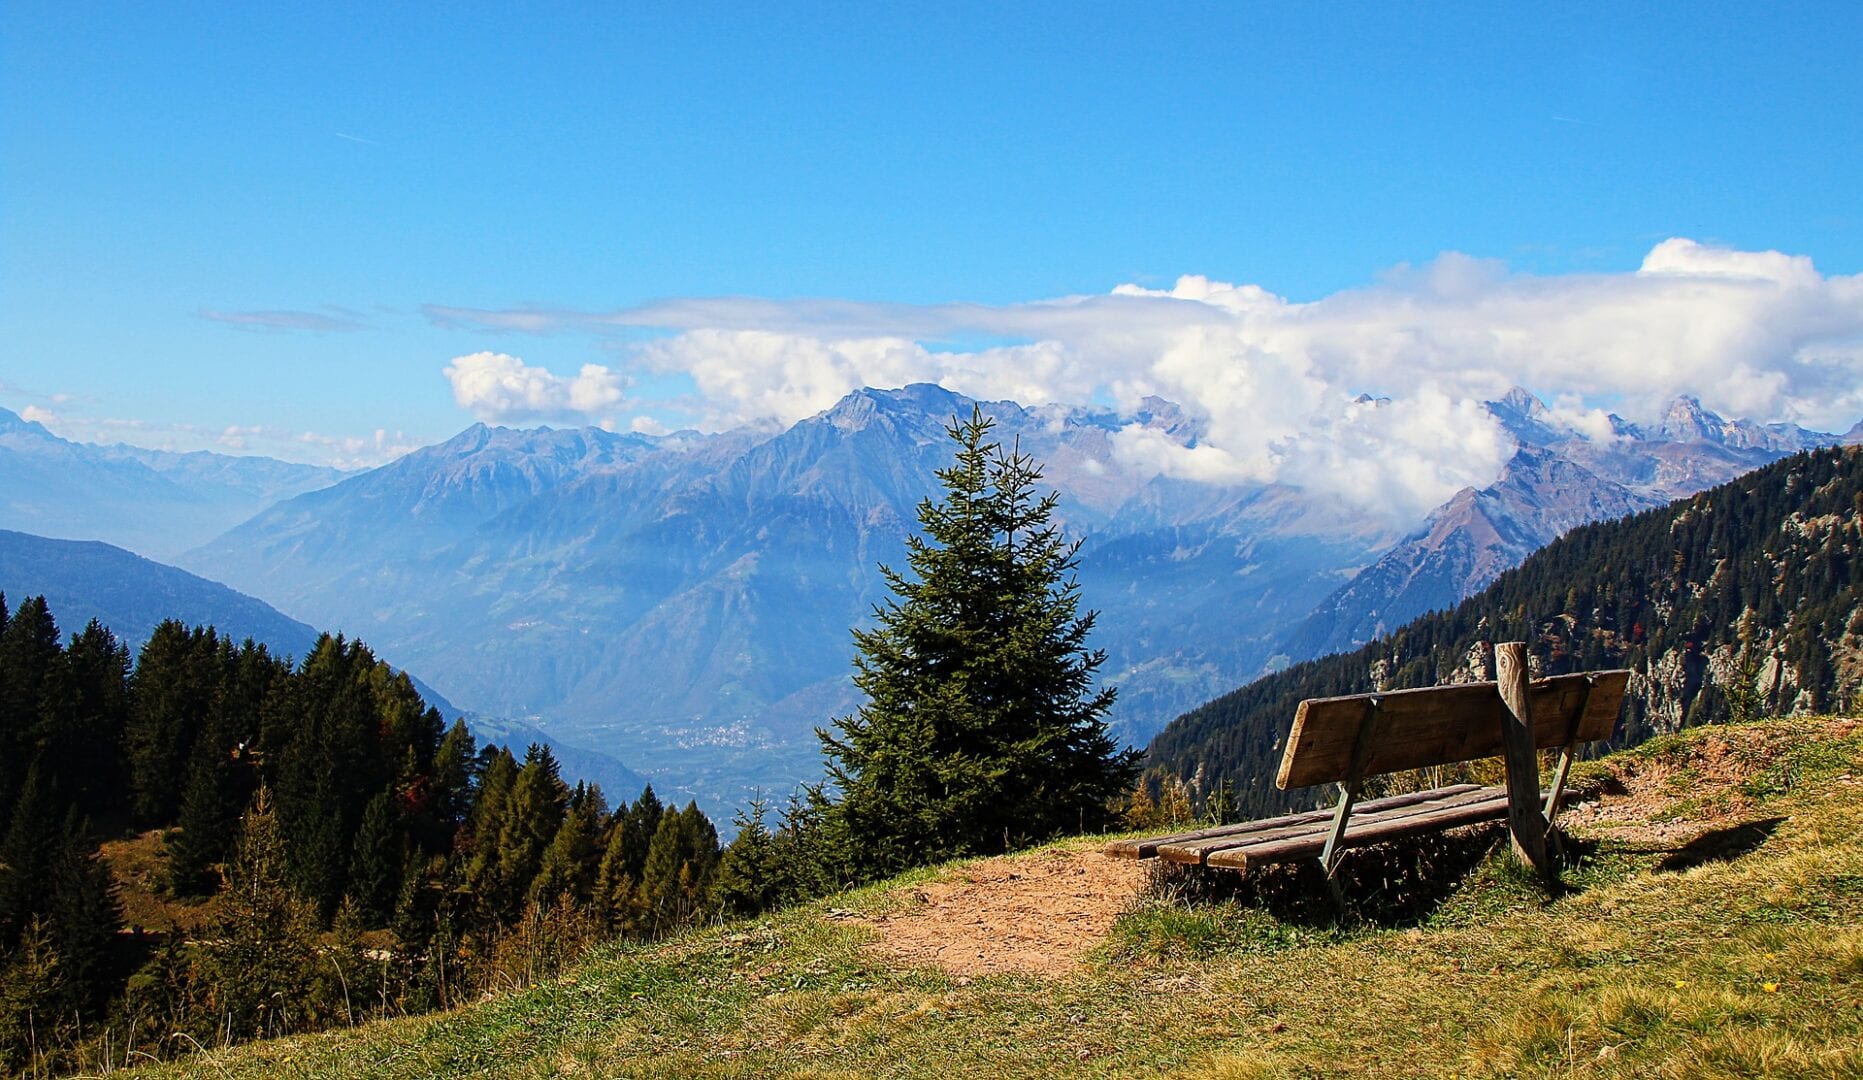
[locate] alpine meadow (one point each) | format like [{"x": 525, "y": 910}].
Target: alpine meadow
[{"x": 1250, "y": 541}]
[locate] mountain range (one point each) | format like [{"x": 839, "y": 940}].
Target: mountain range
[
  {"x": 154, "y": 502},
  {"x": 684, "y": 601},
  {"x": 1557, "y": 479}
]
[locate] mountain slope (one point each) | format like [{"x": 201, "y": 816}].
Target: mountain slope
[
  {"x": 151, "y": 501},
  {"x": 1756, "y": 585},
  {"x": 1557, "y": 480},
  {"x": 85, "y": 580}
]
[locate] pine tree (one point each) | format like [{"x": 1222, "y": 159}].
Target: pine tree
[
  {"x": 677, "y": 877},
  {"x": 571, "y": 862},
  {"x": 207, "y": 821},
  {"x": 982, "y": 728},
  {"x": 264, "y": 950},
  {"x": 170, "y": 696},
  {"x": 99, "y": 667},
  {"x": 750, "y": 874},
  {"x": 376, "y": 862},
  {"x": 532, "y": 815},
  {"x": 28, "y": 652},
  {"x": 83, "y": 914}
]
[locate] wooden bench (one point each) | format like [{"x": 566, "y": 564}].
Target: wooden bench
[{"x": 1343, "y": 740}]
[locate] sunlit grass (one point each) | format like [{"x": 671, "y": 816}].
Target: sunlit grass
[{"x": 1749, "y": 965}]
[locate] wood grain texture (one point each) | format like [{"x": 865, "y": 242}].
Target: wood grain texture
[
  {"x": 1147, "y": 847},
  {"x": 1526, "y": 823},
  {"x": 1199, "y": 852},
  {"x": 1293, "y": 849},
  {"x": 1441, "y": 725}
]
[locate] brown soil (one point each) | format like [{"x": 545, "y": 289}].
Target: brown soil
[
  {"x": 1034, "y": 914},
  {"x": 1645, "y": 799}
]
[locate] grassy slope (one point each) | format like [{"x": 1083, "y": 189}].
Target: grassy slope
[{"x": 1750, "y": 965}]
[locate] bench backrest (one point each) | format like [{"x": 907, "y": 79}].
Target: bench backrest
[{"x": 1441, "y": 725}]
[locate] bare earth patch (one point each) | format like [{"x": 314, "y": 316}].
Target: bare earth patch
[
  {"x": 1641, "y": 801},
  {"x": 1034, "y": 914}
]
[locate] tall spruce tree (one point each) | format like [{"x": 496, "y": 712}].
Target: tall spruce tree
[{"x": 982, "y": 729}]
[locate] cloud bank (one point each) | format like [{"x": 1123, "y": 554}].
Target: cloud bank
[
  {"x": 1277, "y": 388},
  {"x": 497, "y": 387}
]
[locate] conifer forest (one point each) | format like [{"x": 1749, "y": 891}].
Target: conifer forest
[{"x": 333, "y": 852}]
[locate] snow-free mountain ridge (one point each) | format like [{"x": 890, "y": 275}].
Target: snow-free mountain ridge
[{"x": 154, "y": 502}]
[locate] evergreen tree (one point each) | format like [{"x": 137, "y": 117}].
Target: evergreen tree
[
  {"x": 26, "y": 853},
  {"x": 93, "y": 751},
  {"x": 532, "y": 816},
  {"x": 206, "y": 822},
  {"x": 750, "y": 873},
  {"x": 32, "y": 981},
  {"x": 677, "y": 876},
  {"x": 571, "y": 862},
  {"x": 82, "y": 912},
  {"x": 375, "y": 864},
  {"x": 450, "y": 788},
  {"x": 28, "y": 652},
  {"x": 982, "y": 728},
  {"x": 260, "y": 965}
]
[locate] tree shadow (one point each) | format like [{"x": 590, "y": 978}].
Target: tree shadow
[{"x": 1720, "y": 845}]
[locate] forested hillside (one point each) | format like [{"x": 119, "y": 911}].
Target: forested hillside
[
  {"x": 314, "y": 846},
  {"x": 1739, "y": 601}
]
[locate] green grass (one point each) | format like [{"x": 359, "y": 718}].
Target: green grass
[{"x": 1748, "y": 963}]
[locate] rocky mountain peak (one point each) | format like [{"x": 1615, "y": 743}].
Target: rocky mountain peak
[
  {"x": 1523, "y": 401},
  {"x": 1686, "y": 421}
]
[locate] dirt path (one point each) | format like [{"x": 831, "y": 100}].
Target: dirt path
[{"x": 1034, "y": 914}]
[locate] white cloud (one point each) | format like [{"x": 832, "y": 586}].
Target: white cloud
[
  {"x": 497, "y": 387},
  {"x": 1272, "y": 384},
  {"x": 36, "y": 415}
]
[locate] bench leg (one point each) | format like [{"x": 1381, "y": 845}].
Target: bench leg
[
  {"x": 1329, "y": 855},
  {"x": 1348, "y": 791},
  {"x": 1557, "y": 793}
]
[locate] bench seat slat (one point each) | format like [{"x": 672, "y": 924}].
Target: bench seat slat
[
  {"x": 1147, "y": 847},
  {"x": 1294, "y": 849},
  {"x": 1198, "y": 852}
]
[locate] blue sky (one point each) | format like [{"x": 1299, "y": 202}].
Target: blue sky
[{"x": 220, "y": 217}]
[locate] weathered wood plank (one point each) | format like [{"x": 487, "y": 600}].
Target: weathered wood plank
[
  {"x": 1441, "y": 725},
  {"x": 1308, "y": 846},
  {"x": 1147, "y": 847},
  {"x": 1526, "y": 824},
  {"x": 1197, "y": 852}
]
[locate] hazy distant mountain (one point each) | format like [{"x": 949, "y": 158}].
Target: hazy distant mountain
[
  {"x": 1559, "y": 479},
  {"x": 83, "y": 580},
  {"x": 685, "y": 602},
  {"x": 151, "y": 501}
]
